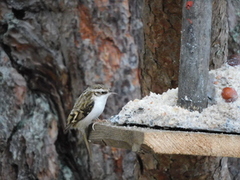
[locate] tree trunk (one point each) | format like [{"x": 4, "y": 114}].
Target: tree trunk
[
  {"x": 234, "y": 31},
  {"x": 50, "y": 52},
  {"x": 219, "y": 39},
  {"x": 162, "y": 24}
]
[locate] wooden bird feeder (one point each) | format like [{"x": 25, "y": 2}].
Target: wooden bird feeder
[
  {"x": 167, "y": 142},
  {"x": 193, "y": 77}
]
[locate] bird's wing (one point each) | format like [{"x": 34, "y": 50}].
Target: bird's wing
[{"x": 79, "y": 111}]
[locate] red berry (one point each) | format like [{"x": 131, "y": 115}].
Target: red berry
[
  {"x": 189, "y": 4},
  {"x": 229, "y": 94}
]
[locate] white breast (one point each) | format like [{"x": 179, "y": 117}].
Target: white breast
[{"x": 99, "y": 105}]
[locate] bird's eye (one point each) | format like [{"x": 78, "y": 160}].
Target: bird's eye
[{"x": 100, "y": 93}]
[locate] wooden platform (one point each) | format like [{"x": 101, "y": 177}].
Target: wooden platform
[{"x": 166, "y": 142}]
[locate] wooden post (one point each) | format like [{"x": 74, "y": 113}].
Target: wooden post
[{"x": 195, "y": 53}]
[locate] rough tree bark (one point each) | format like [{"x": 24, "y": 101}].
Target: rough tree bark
[
  {"x": 219, "y": 34},
  {"x": 50, "y": 51},
  {"x": 159, "y": 67},
  {"x": 234, "y": 29}
]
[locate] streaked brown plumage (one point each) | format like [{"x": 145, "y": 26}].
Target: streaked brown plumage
[{"x": 89, "y": 106}]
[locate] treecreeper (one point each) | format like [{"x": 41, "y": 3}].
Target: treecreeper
[{"x": 88, "y": 107}]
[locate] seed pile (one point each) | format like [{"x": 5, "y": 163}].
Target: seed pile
[{"x": 163, "y": 111}]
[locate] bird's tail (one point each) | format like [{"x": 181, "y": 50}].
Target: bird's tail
[
  {"x": 67, "y": 128},
  {"x": 87, "y": 144}
]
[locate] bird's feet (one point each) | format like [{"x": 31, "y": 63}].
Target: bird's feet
[{"x": 96, "y": 121}]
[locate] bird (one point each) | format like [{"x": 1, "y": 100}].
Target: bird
[{"x": 88, "y": 107}]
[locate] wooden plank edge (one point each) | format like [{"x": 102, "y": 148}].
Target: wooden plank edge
[{"x": 165, "y": 141}]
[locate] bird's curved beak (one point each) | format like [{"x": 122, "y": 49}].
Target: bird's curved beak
[{"x": 113, "y": 92}]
